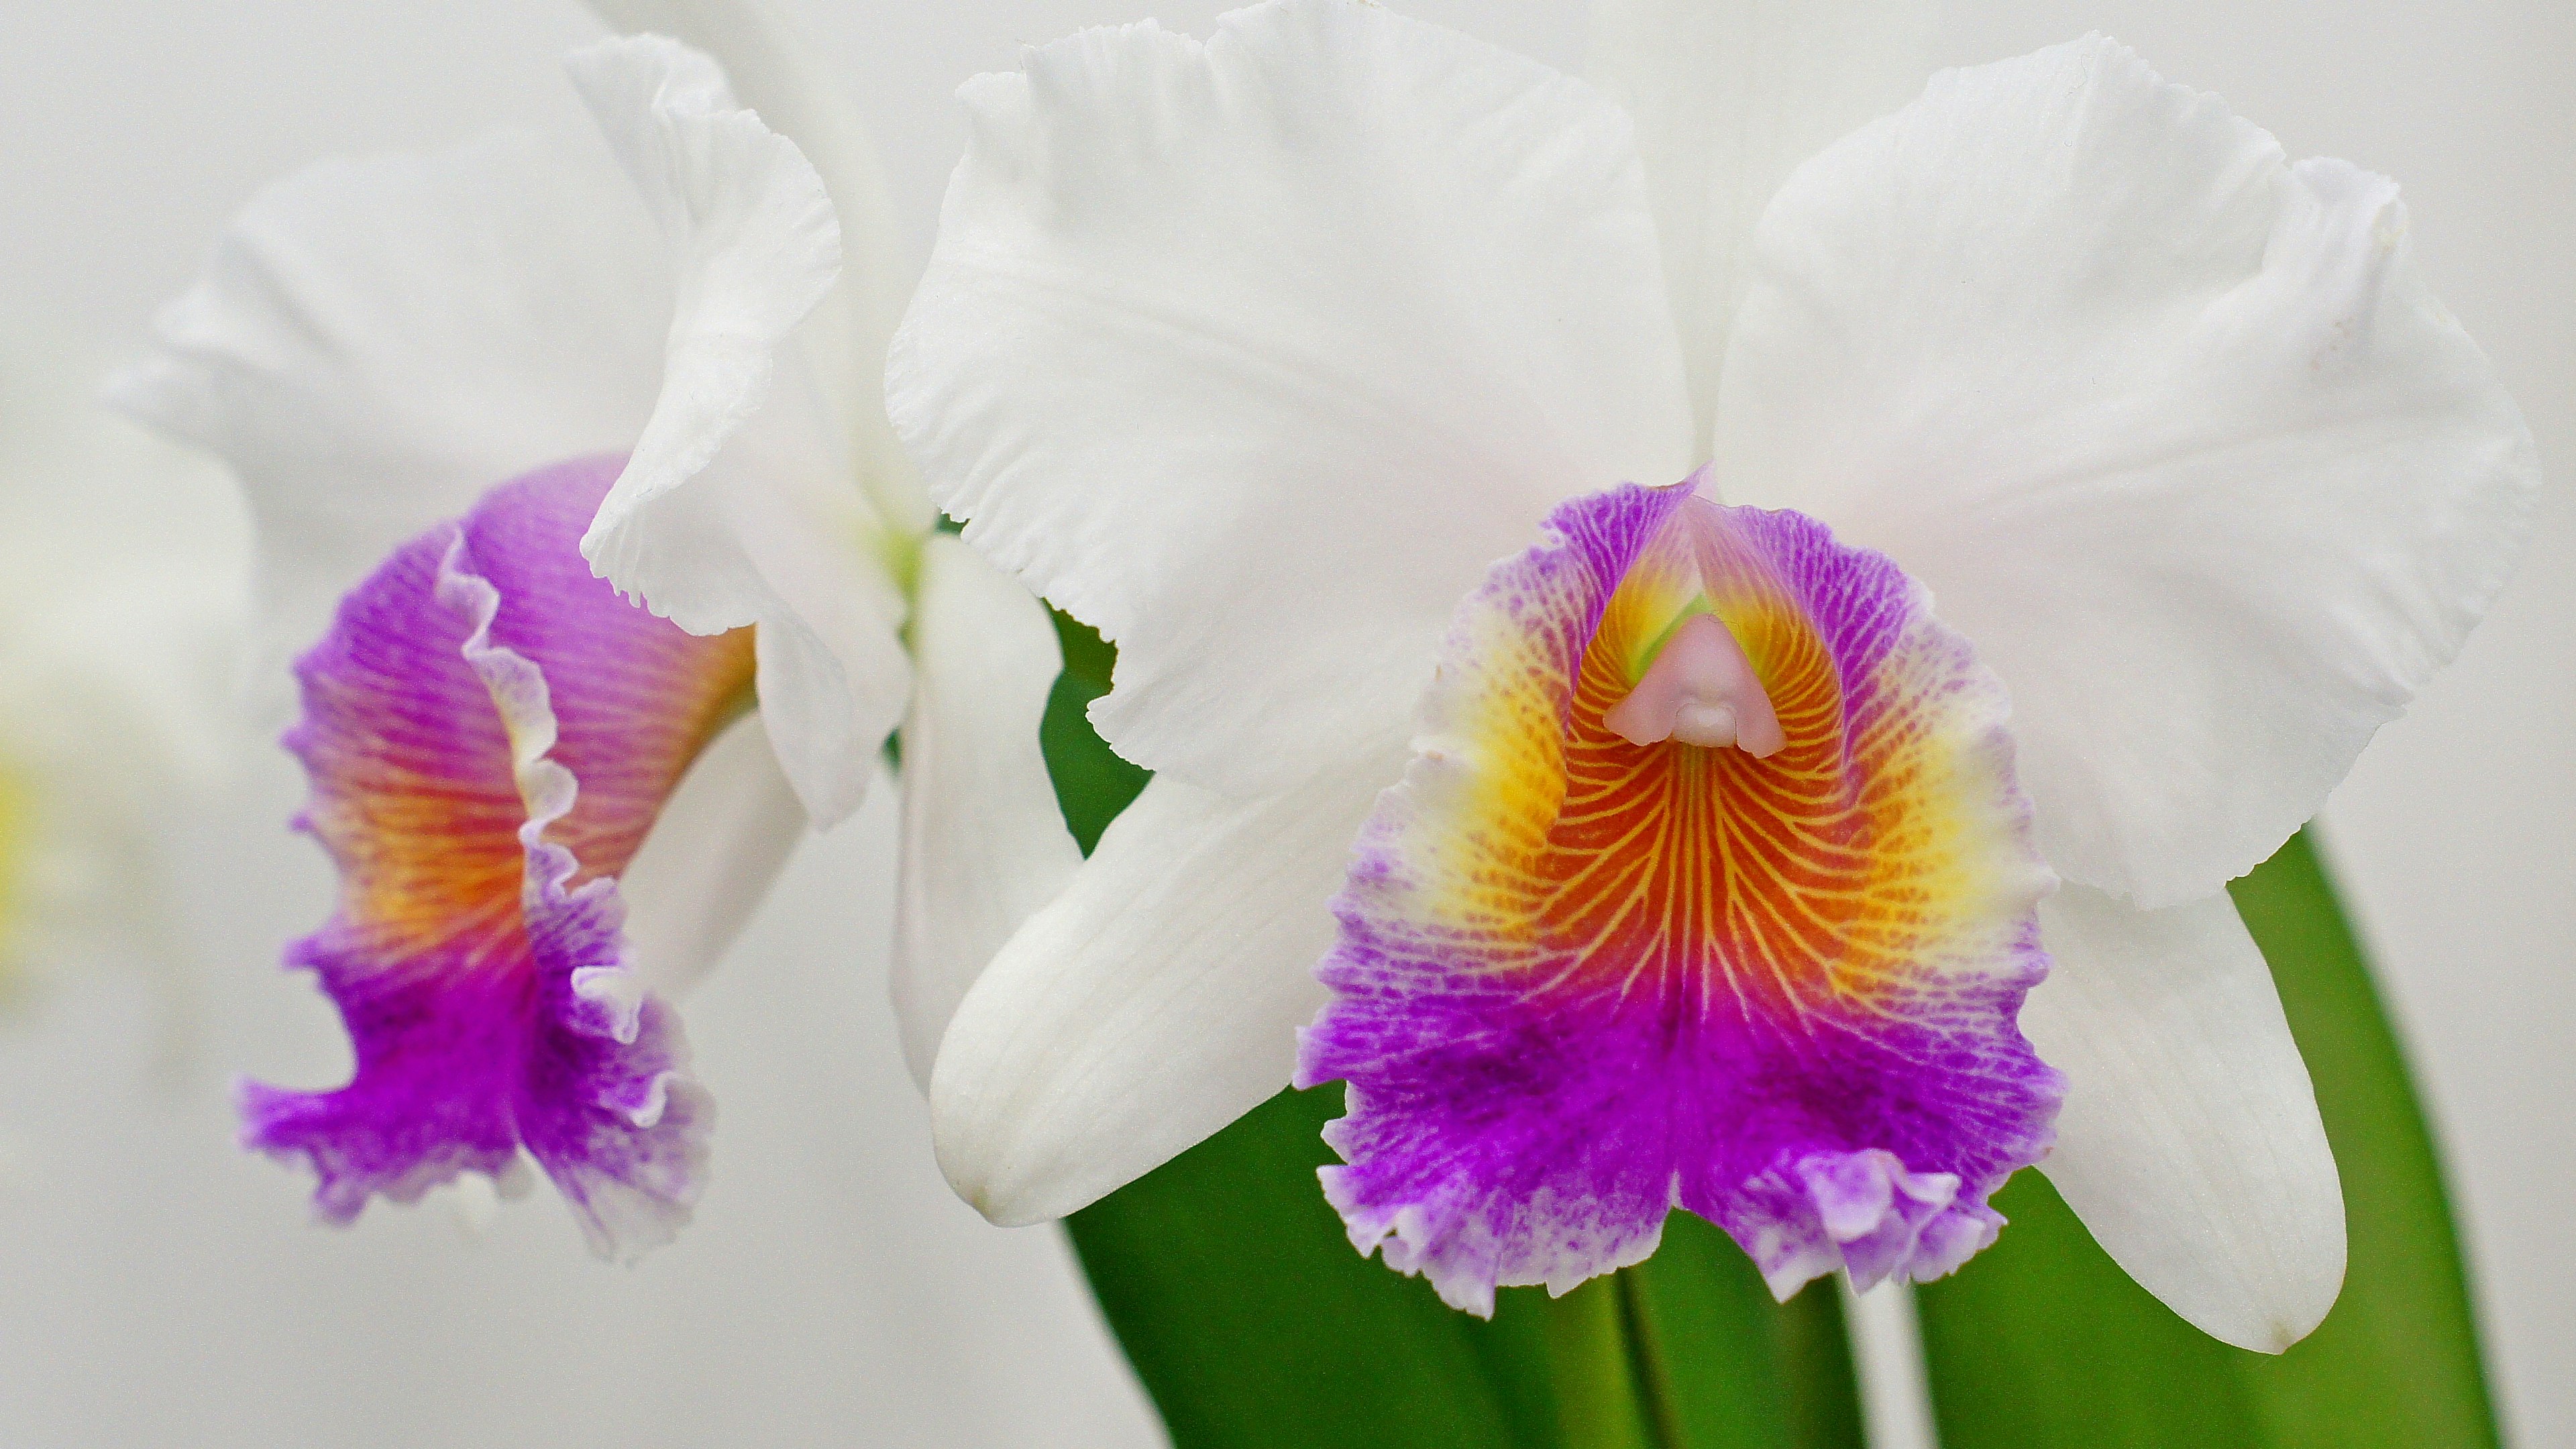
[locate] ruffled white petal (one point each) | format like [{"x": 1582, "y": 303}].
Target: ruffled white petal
[
  {"x": 1254, "y": 354},
  {"x": 984, "y": 843},
  {"x": 1728, "y": 98},
  {"x": 374, "y": 343},
  {"x": 776, "y": 74},
  {"x": 709, "y": 860},
  {"x": 753, "y": 246},
  {"x": 1154, "y": 1001},
  {"x": 731, "y": 510},
  {"x": 2171, "y": 428},
  {"x": 2189, "y": 1142}
]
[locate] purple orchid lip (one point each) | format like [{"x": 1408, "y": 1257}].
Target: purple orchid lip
[
  {"x": 489, "y": 732},
  {"x": 1582, "y": 980}
]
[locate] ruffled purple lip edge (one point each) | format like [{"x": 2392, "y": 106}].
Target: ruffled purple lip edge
[{"x": 566, "y": 1057}]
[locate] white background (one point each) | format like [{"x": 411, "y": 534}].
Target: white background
[{"x": 158, "y": 1287}]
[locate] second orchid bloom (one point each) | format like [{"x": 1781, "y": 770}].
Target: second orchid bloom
[{"x": 496, "y": 369}]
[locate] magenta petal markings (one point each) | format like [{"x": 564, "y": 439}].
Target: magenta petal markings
[
  {"x": 1583, "y": 980},
  {"x": 489, "y": 732}
]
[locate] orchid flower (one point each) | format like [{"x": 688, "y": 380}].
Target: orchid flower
[
  {"x": 123, "y": 602},
  {"x": 1689, "y": 855},
  {"x": 498, "y": 369}
]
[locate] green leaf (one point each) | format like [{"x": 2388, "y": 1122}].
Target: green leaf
[
  {"x": 1092, "y": 784},
  {"x": 2042, "y": 1341},
  {"x": 1253, "y": 1323}
]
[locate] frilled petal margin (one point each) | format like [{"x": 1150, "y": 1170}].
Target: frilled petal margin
[
  {"x": 1581, "y": 981},
  {"x": 2173, "y": 427},
  {"x": 489, "y": 732},
  {"x": 1333, "y": 284},
  {"x": 735, "y": 507}
]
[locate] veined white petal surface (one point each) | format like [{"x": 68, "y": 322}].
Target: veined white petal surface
[
  {"x": 1728, "y": 98},
  {"x": 773, "y": 71},
  {"x": 733, "y": 509},
  {"x": 2171, "y": 428},
  {"x": 2189, "y": 1142},
  {"x": 1253, "y": 354},
  {"x": 1154, "y": 1001},
  {"x": 374, "y": 343},
  {"x": 984, "y": 843},
  {"x": 709, "y": 860}
]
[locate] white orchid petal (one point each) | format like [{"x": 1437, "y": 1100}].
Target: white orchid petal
[
  {"x": 715, "y": 848},
  {"x": 1254, "y": 354},
  {"x": 2190, "y": 1142},
  {"x": 731, "y": 510},
  {"x": 984, "y": 843},
  {"x": 1154, "y": 1001},
  {"x": 776, "y": 74},
  {"x": 754, "y": 246},
  {"x": 834, "y": 674},
  {"x": 374, "y": 343},
  {"x": 2171, "y": 428},
  {"x": 829, "y": 696},
  {"x": 1728, "y": 98}
]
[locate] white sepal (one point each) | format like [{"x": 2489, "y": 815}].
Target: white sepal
[
  {"x": 1728, "y": 99},
  {"x": 984, "y": 842},
  {"x": 715, "y": 849},
  {"x": 1153, "y": 1002},
  {"x": 2190, "y": 1143}
]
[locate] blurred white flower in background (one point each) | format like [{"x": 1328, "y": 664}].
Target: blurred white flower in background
[
  {"x": 123, "y": 601},
  {"x": 692, "y": 304}
]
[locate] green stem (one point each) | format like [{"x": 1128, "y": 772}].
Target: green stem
[
  {"x": 1645, "y": 1353},
  {"x": 1594, "y": 1360}
]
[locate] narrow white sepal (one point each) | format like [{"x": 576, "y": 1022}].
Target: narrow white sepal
[
  {"x": 984, "y": 842},
  {"x": 715, "y": 849},
  {"x": 1154, "y": 1001},
  {"x": 2190, "y": 1143}
]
